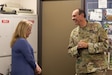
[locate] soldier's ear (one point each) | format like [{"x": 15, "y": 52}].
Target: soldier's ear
[{"x": 82, "y": 14}]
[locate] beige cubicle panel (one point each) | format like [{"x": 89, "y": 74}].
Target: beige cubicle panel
[{"x": 56, "y": 27}]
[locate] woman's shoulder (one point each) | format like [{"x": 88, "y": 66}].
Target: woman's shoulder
[{"x": 21, "y": 40}]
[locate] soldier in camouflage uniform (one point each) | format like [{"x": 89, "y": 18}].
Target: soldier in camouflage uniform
[{"x": 88, "y": 43}]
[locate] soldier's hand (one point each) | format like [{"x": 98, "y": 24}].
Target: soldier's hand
[{"x": 82, "y": 44}]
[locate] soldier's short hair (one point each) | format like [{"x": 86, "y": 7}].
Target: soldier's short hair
[{"x": 82, "y": 11}]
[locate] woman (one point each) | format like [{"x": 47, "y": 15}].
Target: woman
[{"x": 23, "y": 62}]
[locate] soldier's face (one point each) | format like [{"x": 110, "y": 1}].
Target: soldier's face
[{"x": 76, "y": 17}]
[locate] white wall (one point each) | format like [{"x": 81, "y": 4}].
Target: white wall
[
  {"x": 5, "y": 64},
  {"x": 29, "y": 4},
  {"x": 13, "y": 1},
  {"x": 5, "y": 52},
  {"x": 5, "y": 61}
]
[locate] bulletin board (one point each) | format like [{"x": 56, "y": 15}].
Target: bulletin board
[
  {"x": 101, "y": 11},
  {"x": 94, "y": 6}
]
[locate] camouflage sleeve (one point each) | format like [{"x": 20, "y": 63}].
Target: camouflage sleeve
[
  {"x": 102, "y": 43},
  {"x": 72, "y": 48}
]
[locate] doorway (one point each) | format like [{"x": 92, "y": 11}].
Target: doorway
[{"x": 56, "y": 28}]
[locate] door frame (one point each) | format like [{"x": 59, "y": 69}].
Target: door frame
[{"x": 39, "y": 13}]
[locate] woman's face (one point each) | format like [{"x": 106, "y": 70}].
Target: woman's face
[{"x": 28, "y": 31}]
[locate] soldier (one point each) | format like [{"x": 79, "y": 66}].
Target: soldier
[{"x": 88, "y": 42}]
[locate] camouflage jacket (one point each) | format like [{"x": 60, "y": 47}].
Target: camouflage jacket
[{"x": 89, "y": 59}]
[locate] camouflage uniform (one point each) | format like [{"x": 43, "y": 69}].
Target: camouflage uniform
[{"x": 91, "y": 59}]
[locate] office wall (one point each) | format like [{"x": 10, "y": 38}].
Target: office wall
[
  {"x": 5, "y": 56},
  {"x": 9, "y": 23},
  {"x": 56, "y": 27},
  {"x": 29, "y": 4},
  {"x": 13, "y": 1}
]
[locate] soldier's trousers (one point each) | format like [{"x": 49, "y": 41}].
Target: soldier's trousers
[{"x": 95, "y": 73}]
